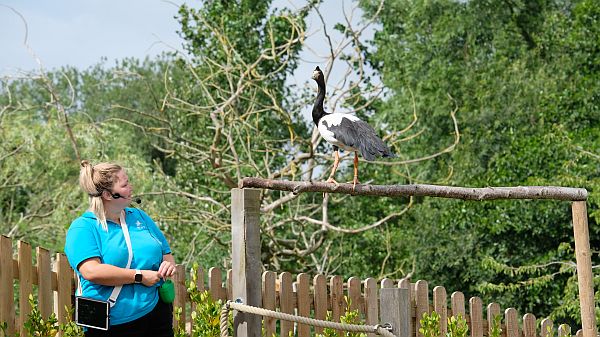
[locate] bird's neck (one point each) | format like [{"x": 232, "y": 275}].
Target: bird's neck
[{"x": 318, "y": 110}]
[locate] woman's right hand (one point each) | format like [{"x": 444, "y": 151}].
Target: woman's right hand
[{"x": 150, "y": 277}]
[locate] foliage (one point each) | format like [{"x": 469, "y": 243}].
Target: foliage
[
  {"x": 521, "y": 77},
  {"x": 37, "y": 325},
  {"x": 206, "y": 313},
  {"x": 39, "y": 166},
  {"x": 349, "y": 317},
  {"x": 430, "y": 324},
  {"x": 457, "y": 326},
  {"x": 496, "y": 328}
]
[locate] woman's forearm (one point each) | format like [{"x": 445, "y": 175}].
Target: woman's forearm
[{"x": 107, "y": 275}]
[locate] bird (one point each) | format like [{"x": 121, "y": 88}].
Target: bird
[{"x": 345, "y": 131}]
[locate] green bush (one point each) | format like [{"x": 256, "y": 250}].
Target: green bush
[
  {"x": 457, "y": 326},
  {"x": 37, "y": 326},
  {"x": 206, "y": 315},
  {"x": 350, "y": 317}
]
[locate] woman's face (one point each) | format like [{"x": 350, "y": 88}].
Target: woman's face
[{"x": 123, "y": 187}]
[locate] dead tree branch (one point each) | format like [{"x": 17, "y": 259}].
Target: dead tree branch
[{"x": 422, "y": 190}]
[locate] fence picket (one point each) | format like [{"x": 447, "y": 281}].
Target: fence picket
[
  {"x": 354, "y": 295},
  {"x": 320, "y": 302},
  {"x": 493, "y": 310},
  {"x": 371, "y": 303},
  {"x": 387, "y": 283},
  {"x": 7, "y": 308},
  {"x": 458, "y": 304},
  {"x": 547, "y": 328},
  {"x": 65, "y": 287},
  {"x": 405, "y": 284},
  {"x": 476, "y": 314},
  {"x": 338, "y": 304},
  {"x": 199, "y": 286},
  {"x": 529, "y": 325},
  {"x": 229, "y": 289},
  {"x": 422, "y": 303},
  {"x": 269, "y": 300},
  {"x": 180, "y": 294},
  {"x": 440, "y": 305},
  {"x": 44, "y": 276},
  {"x": 215, "y": 284},
  {"x": 303, "y": 296},
  {"x": 25, "y": 284},
  {"x": 512, "y": 322},
  {"x": 286, "y": 303},
  {"x": 564, "y": 330}
]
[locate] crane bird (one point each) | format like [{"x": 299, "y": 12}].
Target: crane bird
[{"x": 345, "y": 131}]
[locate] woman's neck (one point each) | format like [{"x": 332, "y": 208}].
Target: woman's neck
[{"x": 114, "y": 216}]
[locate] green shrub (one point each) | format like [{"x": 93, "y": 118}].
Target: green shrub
[
  {"x": 206, "y": 315},
  {"x": 350, "y": 317},
  {"x": 37, "y": 326},
  {"x": 430, "y": 325},
  {"x": 457, "y": 326}
]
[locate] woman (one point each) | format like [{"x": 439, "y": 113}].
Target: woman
[{"x": 97, "y": 249}]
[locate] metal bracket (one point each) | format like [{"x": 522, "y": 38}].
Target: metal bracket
[{"x": 386, "y": 326}]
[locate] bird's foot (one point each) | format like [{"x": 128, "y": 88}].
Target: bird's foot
[
  {"x": 331, "y": 180},
  {"x": 354, "y": 182}
]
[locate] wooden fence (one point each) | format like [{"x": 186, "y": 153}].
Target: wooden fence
[{"x": 52, "y": 279}]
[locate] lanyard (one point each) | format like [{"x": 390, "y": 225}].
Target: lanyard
[{"x": 117, "y": 289}]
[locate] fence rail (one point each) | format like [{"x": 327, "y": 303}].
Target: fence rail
[{"x": 52, "y": 279}]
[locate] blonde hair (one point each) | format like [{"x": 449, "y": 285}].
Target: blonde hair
[{"x": 95, "y": 179}]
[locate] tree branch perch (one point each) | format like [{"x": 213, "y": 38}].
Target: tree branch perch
[{"x": 464, "y": 193}]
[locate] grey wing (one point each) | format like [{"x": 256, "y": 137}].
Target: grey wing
[{"x": 360, "y": 135}]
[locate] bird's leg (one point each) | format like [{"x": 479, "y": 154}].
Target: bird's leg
[
  {"x": 355, "y": 181},
  {"x": 336, "y": 162}
]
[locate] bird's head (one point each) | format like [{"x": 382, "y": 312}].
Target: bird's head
[{"x": 317, "y": 74}]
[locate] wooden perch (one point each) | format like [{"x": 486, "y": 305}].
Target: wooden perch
[{"x": 465, "y": 193}]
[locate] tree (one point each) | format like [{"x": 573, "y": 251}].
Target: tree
[
  {"x": 236, "y": 116},
  {"x": 520, "y": 74}
]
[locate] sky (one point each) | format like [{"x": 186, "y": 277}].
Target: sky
[{"x": 81, "y": 33}]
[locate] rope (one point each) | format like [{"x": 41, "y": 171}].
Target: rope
[{"x": 378, "y": 329}]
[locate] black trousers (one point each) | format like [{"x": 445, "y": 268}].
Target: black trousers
[{"x": 157, "y": 323}]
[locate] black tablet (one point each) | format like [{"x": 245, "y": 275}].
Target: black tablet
[{"x": 92, "y": 313}]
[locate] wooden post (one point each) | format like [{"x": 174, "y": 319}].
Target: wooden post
[
  {"x": 246, "y": 264},
  {"x": 584, "y": 268},
  {"x": 394, "y": 308}
]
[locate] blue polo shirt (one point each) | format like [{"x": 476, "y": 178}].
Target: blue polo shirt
[{"x": 86, "y": 239}]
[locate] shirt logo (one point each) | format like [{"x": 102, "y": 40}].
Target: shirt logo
[{"x": 139, "y": 225}]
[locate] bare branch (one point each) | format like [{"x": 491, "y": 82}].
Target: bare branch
[{"x": 422, "y": 190}]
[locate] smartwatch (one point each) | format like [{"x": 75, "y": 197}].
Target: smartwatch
[{"x": 138, "y": 276}]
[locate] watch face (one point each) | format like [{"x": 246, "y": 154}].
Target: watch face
[{"x": 138, "y": 277}]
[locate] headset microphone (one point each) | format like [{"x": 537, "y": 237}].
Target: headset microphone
[{"x": 118, "y": 196}]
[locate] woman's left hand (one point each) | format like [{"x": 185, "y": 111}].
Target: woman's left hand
[{"x": 166, "y": 269}]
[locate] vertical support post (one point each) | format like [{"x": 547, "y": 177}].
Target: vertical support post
[
  {"x": 246, "y": 264},
  {"x": 394, "y": 308},
  {"x": 584, "y": 268}
]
